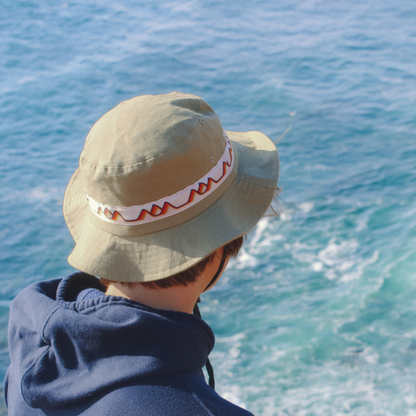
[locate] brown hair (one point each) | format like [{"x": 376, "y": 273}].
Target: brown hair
[{"x": 187, "y": 276}]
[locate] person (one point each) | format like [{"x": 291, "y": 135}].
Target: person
[{"x": 161, "y": 200}]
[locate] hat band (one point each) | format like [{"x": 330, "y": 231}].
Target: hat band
[{"x": 171, "y": 205}]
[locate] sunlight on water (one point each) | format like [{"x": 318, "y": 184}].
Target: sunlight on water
[{"x": 317, "y": 314}]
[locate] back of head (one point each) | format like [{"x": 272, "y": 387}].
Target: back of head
[{"x": 161, "y": 185}]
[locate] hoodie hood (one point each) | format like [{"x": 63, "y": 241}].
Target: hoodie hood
[{"x": 63, "y": 350}]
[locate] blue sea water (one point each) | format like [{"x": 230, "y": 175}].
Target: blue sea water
[{"x": 317, "y": 316}]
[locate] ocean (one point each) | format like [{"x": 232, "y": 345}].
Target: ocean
[{"x": 317, "y": 316}]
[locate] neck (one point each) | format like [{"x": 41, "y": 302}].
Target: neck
[{"x": 176, "y": 298}]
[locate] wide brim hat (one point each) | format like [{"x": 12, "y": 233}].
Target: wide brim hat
[{"x": 161, "y": 185}]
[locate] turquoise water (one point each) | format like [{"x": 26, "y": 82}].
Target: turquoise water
[{"x": 317, "y": 316}]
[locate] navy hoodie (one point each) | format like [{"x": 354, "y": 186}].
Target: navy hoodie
[{"x": 105, "y": 355}]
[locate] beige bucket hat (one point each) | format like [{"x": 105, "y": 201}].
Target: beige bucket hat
[{"x": 161, "y": 185}]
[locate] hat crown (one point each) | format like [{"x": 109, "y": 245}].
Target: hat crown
[
  {"x": 161, "y": 185},
  {"x": 150, "y": 147}
]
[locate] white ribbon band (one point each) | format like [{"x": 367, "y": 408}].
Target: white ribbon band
[{"x": 171, "y": 205}]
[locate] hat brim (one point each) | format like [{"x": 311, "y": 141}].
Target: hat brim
[{"x": 164, "y": 253}]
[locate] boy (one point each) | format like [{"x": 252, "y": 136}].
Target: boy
[{"x": 161, "y": 200}]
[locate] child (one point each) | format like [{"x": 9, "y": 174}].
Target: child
[{"x": 162, "y": 198}]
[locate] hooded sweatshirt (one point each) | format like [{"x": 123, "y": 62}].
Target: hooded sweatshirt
[{"x": 105, "y": 355}]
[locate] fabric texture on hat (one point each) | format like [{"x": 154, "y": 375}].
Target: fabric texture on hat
[{"x": 149, "y": 148}]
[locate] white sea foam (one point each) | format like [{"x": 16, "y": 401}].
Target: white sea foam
[
  {"x": 307, "y": 206},
  {"x": 361, "y": 264},
  {"x": 338, "y": 260},
  {"x": 244, "y": 260},
  {"x": 229, "y": 357},
  {"x": 43, "y": 194},
  {"x": 286, "y": 215},
  {"x": 317, "y": 266},
  {"x": 24, "y": 80},
  {"x": 316, "y": 167},
  {"x": 259, "y": 231},
  {"x": 334, "y": 254}
]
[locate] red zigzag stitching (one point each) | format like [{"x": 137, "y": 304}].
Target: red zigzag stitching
[{"x": 157, "y": 211}]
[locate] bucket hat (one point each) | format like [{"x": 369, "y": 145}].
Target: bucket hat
[{"x": 160, "y": 186}]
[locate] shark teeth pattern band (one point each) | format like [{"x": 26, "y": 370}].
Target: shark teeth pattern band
[{"x": 171, "y": 205}]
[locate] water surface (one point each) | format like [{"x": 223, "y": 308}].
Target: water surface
[{"x": 317, "y": 315}]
